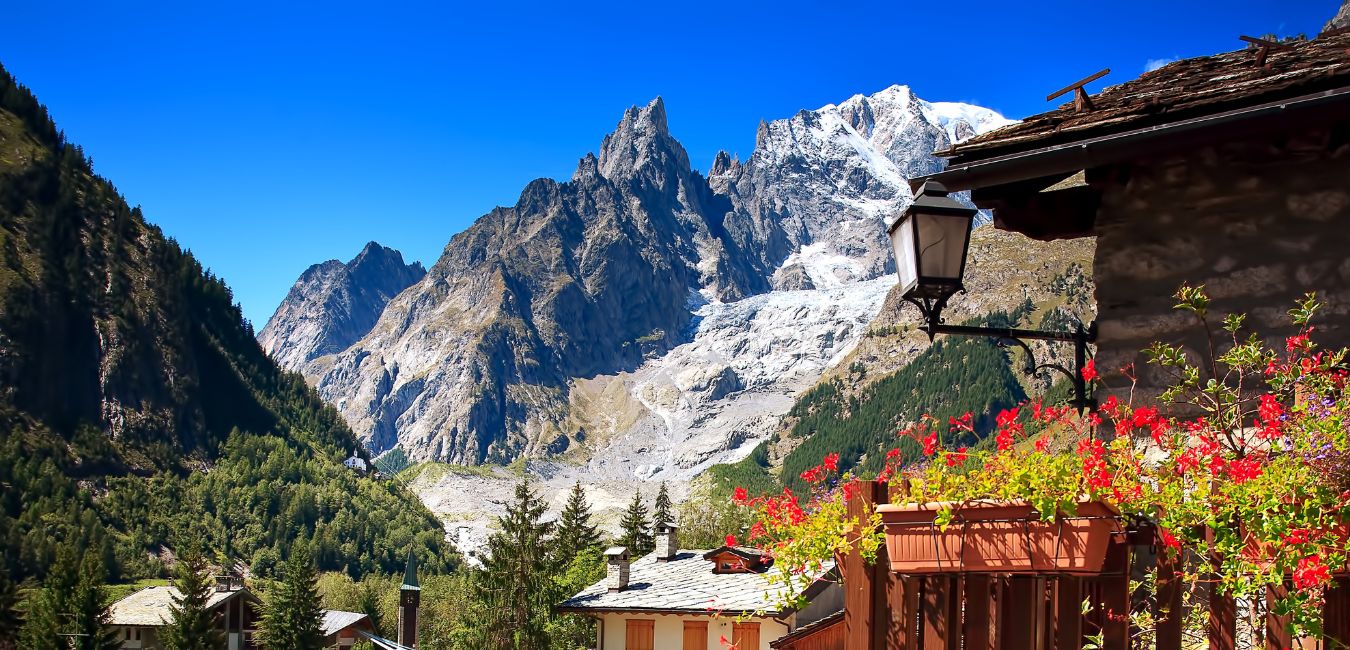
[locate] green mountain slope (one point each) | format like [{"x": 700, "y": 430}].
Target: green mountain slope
[{"x": 138, "y": 409}]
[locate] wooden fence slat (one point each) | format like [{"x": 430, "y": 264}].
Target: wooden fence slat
[
  {"x": 1115, "y": 597},
  {"x": 1167, "y": 612},
  {"x": 1222, "y": 624},
  {"x": 978, "y": 613},
  {"x": 1278, "y": 636},
  {"x": 1068, "y": 613},
  {"x": 939, "y": 629},
  {"x": 1017, "y": 614},
  {"x": 1336, "y": 614},
  {"x": 863, "y": 625}
]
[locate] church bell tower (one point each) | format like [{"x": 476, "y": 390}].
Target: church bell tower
[{"x": 409, "y": 597}]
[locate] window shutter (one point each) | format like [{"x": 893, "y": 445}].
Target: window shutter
[
  {"x": 641, "y": 635},
  {"x": 695, "y": 635}
]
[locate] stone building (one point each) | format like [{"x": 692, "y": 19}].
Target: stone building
[
  {"x": 139, "y": 618},
  {"x": 673, "y": 599},
  {"x": 1231, "y": 171}
]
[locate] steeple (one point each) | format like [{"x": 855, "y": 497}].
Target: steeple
[
  {"x": 409, "y": 598},
  {"x": 410, "y": 573}
]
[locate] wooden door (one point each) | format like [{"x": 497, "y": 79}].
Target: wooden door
[
  {"x": 745, "y": 636},
  {"x": 641, "y": 635},
  {"x": 695, "y": 635}
]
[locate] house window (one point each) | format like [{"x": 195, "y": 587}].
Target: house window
[
  {"x": 745, "y": 636},
  {"x": 695, "y": 635},
  {"x": 641, "y": 635}
]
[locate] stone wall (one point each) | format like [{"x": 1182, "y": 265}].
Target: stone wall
[{"x": 1258, "y": 223}]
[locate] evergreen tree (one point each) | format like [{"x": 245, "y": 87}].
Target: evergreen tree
[
  {"x": 192, "y": 626},
  {"x": 293, "y": 614},
  {"x": 662, "y": 515},
  {"x": 49, "y": 610},
  {"x": 575, "y": 532},
  {"x": 9, "y": 615},
  {"x": 89, "y": 606},
  {"x": 636, "y": 528},
  {"x": 369, "y": 604},
  {"x": 514, "y": 580}
]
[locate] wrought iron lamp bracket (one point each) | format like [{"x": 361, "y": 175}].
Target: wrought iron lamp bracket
[{"x": 931, "y": 308}]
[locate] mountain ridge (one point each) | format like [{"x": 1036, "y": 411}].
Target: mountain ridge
[{"x": 597, "y": 274}]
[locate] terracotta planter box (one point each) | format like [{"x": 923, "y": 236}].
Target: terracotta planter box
[{"x": 998, "y": 537}]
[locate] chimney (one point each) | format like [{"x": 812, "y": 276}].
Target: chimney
[
  {"x": 667, "y": 542},
  {"x": 616, "y": 568}
]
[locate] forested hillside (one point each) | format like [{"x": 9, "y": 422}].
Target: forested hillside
[{"x": 137, "y": 407}]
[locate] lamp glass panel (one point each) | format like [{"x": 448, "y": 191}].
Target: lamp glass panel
[
  {"x": 942, "y": 245},
  {"x": 902, "y": 241}
]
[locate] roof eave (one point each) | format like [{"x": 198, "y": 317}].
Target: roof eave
[{"x": 1096, "y": 151}]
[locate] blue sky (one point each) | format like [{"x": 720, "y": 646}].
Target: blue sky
[{"x": 270, "y": 138}]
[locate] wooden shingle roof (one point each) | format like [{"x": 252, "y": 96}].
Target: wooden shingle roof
[{"x": 1180, "y": 90}]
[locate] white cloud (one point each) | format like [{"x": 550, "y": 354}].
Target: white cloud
[{"x": 1154, "y": 64}]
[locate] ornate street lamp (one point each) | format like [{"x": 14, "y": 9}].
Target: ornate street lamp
[{"x": 930, "y": 241}]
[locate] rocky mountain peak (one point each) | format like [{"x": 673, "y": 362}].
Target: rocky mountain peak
[
  {"x": 334, "y": 304},
  {"x": 641, "y": 139},
  {"x": 1341, "y": 19}
]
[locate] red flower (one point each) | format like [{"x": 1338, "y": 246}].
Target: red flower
[
  {"x": 831, "y": 462},
  {"x": 731, "y": 540},
  {"x": 1243, "y": 470},
  {"x": 1042, "y": 444},
  {"x": 930, "y": 444},
  {"x": 740, "y": 496},
  {"x": 1004, "y": 440},
  {"x": 893, "y": 453},
  {"x": 956, "y": 458},
  {"x": 1311, "y": 573},
  {"x": 1298, "y": 536},
  {"x": 1295, "y": 343},
  {"x": 1090, "y": 371},
  {"x": 756, "y": 530},
  {"x": 1169, "y": 540},
  {"x": 1111, "y": 404}
]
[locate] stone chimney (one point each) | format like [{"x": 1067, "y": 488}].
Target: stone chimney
[
  {"x": 616, "y": 568},
  {"x": 667, "y": 542}
]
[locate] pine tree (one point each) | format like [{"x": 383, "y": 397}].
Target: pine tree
[
  {"x": 515, "y": 577},
  {"x": 192, "y": 626},
  {"x": 9, "y": 615},
  {"x": 89, "y": 606},
  {"x": 292, "y": 617},
  {"x": 369, "y": 604},
  {"x": 662, "y": 515},
  {"x": 636, "y": 528},
  {"x": 575, "y": 531},
  {"x": 49, "y": 610}
]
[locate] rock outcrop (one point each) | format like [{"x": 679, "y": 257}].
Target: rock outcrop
[{"x": 334, "y": 305}]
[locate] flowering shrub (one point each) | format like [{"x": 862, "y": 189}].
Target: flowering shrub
[
  {"x": 1247, "y": 463},
  {"x": 802, "y": 537}
]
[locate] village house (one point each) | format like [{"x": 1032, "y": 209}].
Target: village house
[
  {"x": 137, "y": 619},
  {"x": 357, "y": 463},
  {"x": 343, "y": 629},
  {"x": 1231, "y": 171},
  {"x": 680, "y": 599}
]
